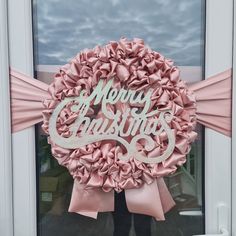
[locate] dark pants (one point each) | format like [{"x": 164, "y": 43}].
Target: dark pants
[{"x": 122, "y": 219}]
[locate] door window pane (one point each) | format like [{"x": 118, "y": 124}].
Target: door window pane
[{"x": 173, "y": 28}]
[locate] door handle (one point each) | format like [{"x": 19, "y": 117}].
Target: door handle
[
  {"x": 223, "y": 222},
  {"x": 223, "y": 232},
  {"x": 191, "y": 212}
]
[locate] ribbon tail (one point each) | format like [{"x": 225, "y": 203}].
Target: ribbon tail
[
  {"x": 90, "y": 201},
  {"x": 165, "y": 196},
  {"x": 151, "y": 199}
]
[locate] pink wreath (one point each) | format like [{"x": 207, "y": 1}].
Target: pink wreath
[{"x": 134, "y": 66}]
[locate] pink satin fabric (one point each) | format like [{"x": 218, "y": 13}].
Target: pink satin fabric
[
  {"x": 213, "y": 110},
  {"x": 27, "y": 95},
  {"x": 151, "y": 199},
  {"x": 213, "y": 97},
  {"x": 90, "y": 201}
]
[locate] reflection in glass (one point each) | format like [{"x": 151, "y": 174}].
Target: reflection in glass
[{"x": 175, "y": 29}]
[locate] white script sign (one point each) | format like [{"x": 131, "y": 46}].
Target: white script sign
[{"x": 142, "y": 123}]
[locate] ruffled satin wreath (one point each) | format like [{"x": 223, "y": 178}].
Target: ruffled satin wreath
[
  {"x": 119, "y": 117},
  {"x": 135, "y": 67}
]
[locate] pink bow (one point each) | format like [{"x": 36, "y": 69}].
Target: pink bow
[{"x": 213, "y": 98}]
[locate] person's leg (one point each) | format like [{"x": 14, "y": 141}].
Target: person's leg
[
  {"x": 121, "y": 216},
  {"x": 142, "y": 225}
]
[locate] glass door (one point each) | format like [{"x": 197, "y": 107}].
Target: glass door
[
  {"x": 182, "y": 31},
  {"x": 176, "y": 30}
]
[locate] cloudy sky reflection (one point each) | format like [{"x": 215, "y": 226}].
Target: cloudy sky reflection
[{"x": 174, "y": 28}]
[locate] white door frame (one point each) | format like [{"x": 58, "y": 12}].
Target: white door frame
[
  {"x": 23, "y": 143},
  {"x": 219, "y": 25},
  {"x": 218, "y": 54},
  {"x": 6, "y": 214},
  {"x": 234, "y": 131}
]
